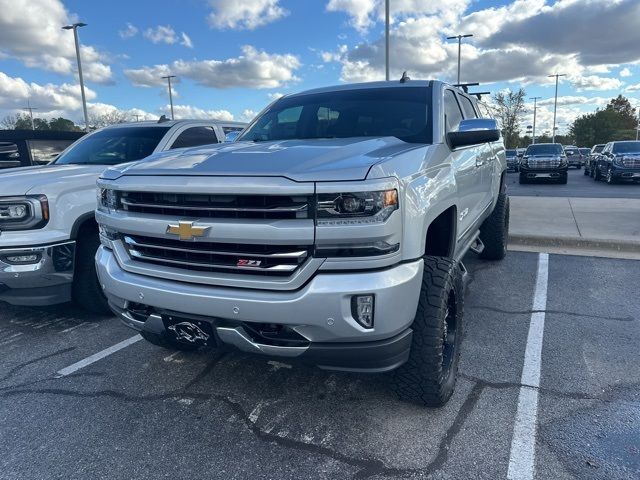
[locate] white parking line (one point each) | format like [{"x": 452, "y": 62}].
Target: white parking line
[
  {"x": 97, "y": 356},
  {"x": 522, "y": 459}
]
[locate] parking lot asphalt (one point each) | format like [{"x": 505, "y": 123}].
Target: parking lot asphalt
[
  {"x": 144, "y": 412},
  {"x": 578, "y": 185}
]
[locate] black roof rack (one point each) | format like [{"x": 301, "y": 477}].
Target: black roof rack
[
  {"x": 465, "y": 86},
  {"x": 479, "y": 95}
]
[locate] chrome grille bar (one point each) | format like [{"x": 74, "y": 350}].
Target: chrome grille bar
[{"x": 295, "y": 208}]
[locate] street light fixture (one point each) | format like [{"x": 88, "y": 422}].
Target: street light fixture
[
  {"x": 168, "y": 78},
  {"x": 555, "y": 104},
  {"x": 75, "y": 27},
  {"x": 459, "y": 37},
  {"x": 535, "y": 109},
  {"x": 30, "y": 109}
]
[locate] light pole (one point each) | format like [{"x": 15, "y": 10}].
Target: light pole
[
  {"x": 386, "y": 39},
  {"x": 75, "y": 27},
  {"x": 459, "y": 37},
  {"x": 30, "y": 109},
  {"x": 169, "y": 77},
  {"x": 535, "y": 108},
  {"x": 555, "y": 104}
]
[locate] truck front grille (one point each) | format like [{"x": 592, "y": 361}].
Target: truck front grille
[
  {"x": 217, "y": 257},
  {"x": 631, "y": 162},
  {"x": 216, "y": 206},
  {"x": 543, "y": 163}
]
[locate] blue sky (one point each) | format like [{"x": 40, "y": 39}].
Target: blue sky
[{"x": 233, "y": 57}]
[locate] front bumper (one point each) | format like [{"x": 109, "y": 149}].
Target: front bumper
[
  {"x": 45, "y": 281},
  {"x": 320, "y": 312},
  {"x": 552, "y": 173},
  {"x": 629, "y": 174}
]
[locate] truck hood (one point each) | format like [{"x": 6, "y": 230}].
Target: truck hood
[
  {"x": 48, "y": 179},
  {"x": 335, "y": 159}
]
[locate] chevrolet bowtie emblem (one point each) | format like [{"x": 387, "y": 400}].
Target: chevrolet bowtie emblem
[{"x": 186, "y": 230}]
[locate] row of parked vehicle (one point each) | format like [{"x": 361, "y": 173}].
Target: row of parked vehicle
[
  {"x": 332, "y": 231},
  {"x": 613, "y": 162}
]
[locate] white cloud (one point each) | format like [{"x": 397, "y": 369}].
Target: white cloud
[
  {"x": 275, "y": 95},
  {"x": 30, "y": 32},
  {"x": 129, "y": 31},
  {"x": 633, "y": 88},
  {"x": 573, "y": 100},
  {"x": 594, "y": 82},
  {"x": 161, "y": 34},
  {"x": 359, "y": 11},
  {"x": 244, "y": 14},
  {"x": 248, "y": 115},
  {"x": 252, "y": 69},
  {"x": 189, "y": 111},
  {"x": 14, "y": 93},
  {"x": 625, "y": 72},
  {"x": 186, "y": 40}
]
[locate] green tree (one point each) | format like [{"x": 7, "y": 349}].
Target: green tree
[
  {"x": 23, "y": 122},
  {"x": 617, "y": 121},
  {"x": 63, "y": 125},
  {"x": 509, "y": 107}
]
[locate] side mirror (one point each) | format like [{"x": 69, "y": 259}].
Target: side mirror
[{"x": 474, "y": 132}]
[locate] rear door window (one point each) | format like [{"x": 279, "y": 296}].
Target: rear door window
[
  {"x": 452, "y": 112},
  {"x": 195, "y": 136},
  {"x": 467, "y": 107}
]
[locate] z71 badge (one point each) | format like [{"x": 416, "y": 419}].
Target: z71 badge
[{"x": 248, "y": 263}]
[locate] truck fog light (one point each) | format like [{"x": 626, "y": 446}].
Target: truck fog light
[
  {"x": 362, "y": 309},
  {"x": 23, "y": 259}
]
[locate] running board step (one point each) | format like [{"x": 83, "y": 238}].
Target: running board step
[{"x": 477, "y": 246}]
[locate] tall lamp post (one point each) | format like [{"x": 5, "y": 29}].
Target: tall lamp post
[
  {"x": 30, "y": 109},
  {"x": 555, "y": 104},
  {"x": 75, "y": 27},
  {"x": 168, "y": 78},
  {"x": 386, "y": 39},
  {"x": 535, "y": 109},
  {"x": 459, "y": 37}
]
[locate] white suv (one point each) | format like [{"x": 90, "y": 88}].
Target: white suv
[{"x": 48, "y": 233}]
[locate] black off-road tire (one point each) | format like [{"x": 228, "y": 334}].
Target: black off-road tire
[
  {"x": 168, "y": 343},
  {"x": 597, "y": 176},
  {"x": 429, "y": 376},
  {"x": 86, "y": 290},
  {"x": 522, "y": 179},
  {"x": 585, "y": 172},
  {"x": 494, "y": 231},
  {"x": 609, "y": 178},
  {"x": 563, "y": 179}
]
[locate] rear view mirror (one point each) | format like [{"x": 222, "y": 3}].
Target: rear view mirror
[{"x": 474, "y": 132}]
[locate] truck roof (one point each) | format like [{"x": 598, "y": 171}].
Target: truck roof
[
  {"x": 171, "y": 123},
  {"x": 357, "y": 86}
]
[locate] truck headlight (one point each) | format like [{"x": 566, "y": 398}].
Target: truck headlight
[
  {"x": 107, "y": 199},
  {"x": 355, "y": 208},
  {"x": 618, "y": 161},
  {"x": 26, "y": 212}
]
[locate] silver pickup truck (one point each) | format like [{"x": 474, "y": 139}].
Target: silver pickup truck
[{"x": 332, "y": 232}]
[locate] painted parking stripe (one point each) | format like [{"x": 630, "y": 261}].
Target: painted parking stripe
[
  {"x": 97, "y": 356},
  {"x": 522, "y": 459}
]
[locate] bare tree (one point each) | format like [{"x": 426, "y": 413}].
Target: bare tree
[
  {"x": 9, "y": 122},
  {"x": 509, "y": 107},
  {"x": 108, "y": 118}
]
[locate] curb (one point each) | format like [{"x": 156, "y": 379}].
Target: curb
[{"x": 575, "y": 243}]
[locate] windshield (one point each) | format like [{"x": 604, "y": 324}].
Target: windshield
[
  {"x": 113, "y": 146},
  {"x": 571, "y": 151},
  {"x": 584, "y": 151},
  {"x": 626, "y": 147},
  {"x": 511, "y": 153},
  {"x": 598, "y": 148},
  {"x": 544, "y": 149},
  {"x": 373, "y": 112}
]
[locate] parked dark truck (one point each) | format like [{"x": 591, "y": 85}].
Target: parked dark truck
[
  {"x": 332, "y": 232},
  {"x": 544, "y": 161},
  {"x": 618, "y": 162}
]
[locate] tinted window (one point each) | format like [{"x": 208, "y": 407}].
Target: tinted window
[
  {"x": 232, "y": 129},
  {"x": 598, "y": 148},
  {"x": 584, "y": 151},
  {"x": 467, "y": 107},
  {"x": 511, "y": 153},
  {"x": 9, "y": 155},
  {"x": 45, "y": 151},
  {"x": 195, "y": 136},
  {"x": 452, "y": 113},
  {"x": 544, "y": 149},
  {"x": 371, "y": 112},
  {"x": 571, "y": 151},
  {"x": 626, "y": 147},
  {"x": 114, "y": 145}
]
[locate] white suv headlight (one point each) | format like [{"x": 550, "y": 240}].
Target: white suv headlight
[
  {"x": 356, "y": 208},
  {"x": 25, "y": 212}
]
